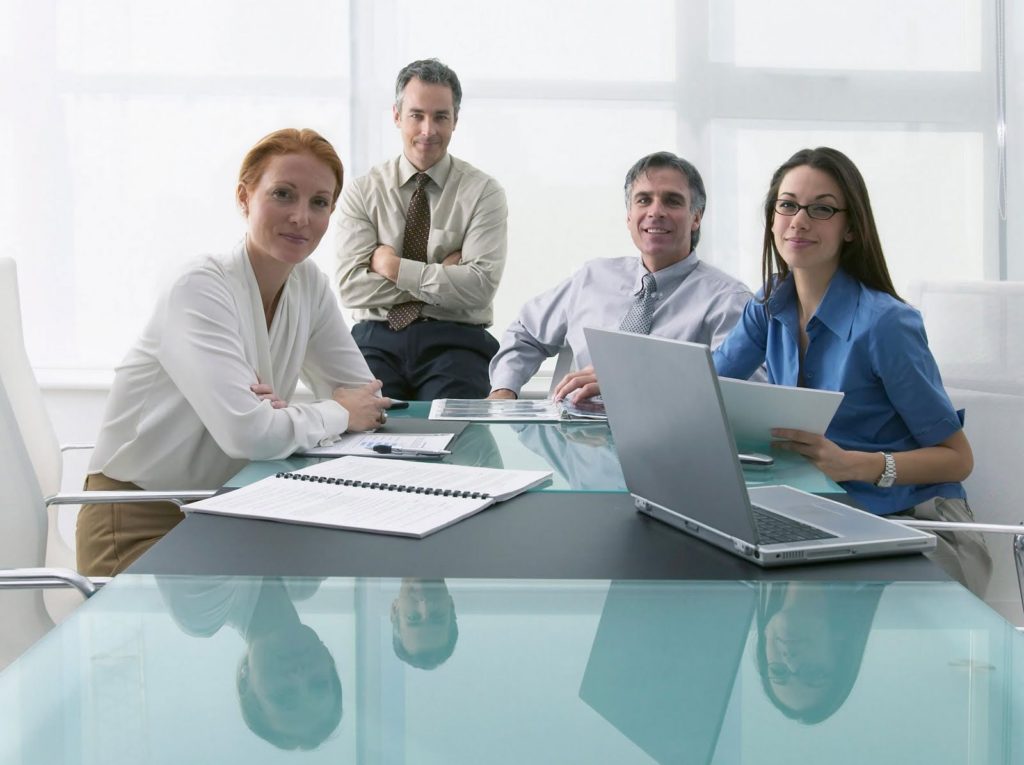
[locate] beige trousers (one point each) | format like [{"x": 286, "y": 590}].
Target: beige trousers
[
  {"x": 961, "y": 554},
  {"x": 110, "y": 537}
]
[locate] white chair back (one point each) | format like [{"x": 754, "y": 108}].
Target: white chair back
[
  {"x": 976, "y": 332},
  {"x": 23, "y": 617},
  {"x": 22, "y": 389},
  {"x": 37, "y": 434}
]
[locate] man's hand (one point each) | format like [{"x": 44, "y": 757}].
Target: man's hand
[
  {"x": 502, "y": 394},
  {"x": 384, "y": 262},
  {"x": 266, "y": 393},
  {"x": 364, "y": 405},
  {"x": 835, "y": 462},
  {"x": 453, "y": 259},
  {"x": 583, "y": 381}
]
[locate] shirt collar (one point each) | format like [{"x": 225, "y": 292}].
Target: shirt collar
[
  {"x": 438, "y": 173},
  {"x": 839, "y": 304},
  {"x": 837, "y": 307},
  {"x": 667, "y": 278}
]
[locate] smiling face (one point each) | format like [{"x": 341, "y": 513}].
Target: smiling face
[
  {"x": 294, "y": 677},
  {"x": 800, "y": 649},
  {"x": 426, "y": 116},
  {"x": 803, "y": 242},
  {"x": 288, "y": 208},
  {"x": 660, "y": 218},
  {"x": 422, "y": 615}
]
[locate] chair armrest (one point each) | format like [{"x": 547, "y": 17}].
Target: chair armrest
[
  {"x": 75, "y": 447},
  {"x": 48, "y": 578},
  {"x": 995, "y": 528},
  {"x": 179, "y": 498}
]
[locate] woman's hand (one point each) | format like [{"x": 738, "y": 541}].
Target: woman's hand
[
  {"x": 583, "y": 381},
  {"x": 265, "y": 393},
  {"x": 835, "y": 462},
  {"x": 366, "y": 407}
]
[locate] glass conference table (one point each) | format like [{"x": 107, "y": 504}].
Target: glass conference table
[
  {"x": 222, "y": 669},
  {"x": 580, "y": 454}
]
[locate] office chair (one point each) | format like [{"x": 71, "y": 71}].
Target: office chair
[
  {"x": 32, "y": 428},
  {"x": 22, "y": 546},
  {"x": 974, "y": 330},
  {"x": 563, "y": 366}
]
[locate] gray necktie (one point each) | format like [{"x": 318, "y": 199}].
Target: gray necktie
[{"x": 640, "y": 315}]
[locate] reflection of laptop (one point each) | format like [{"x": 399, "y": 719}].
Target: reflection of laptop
[
  {"x": 679, "y": 460},
  {"x": 663, "y": 664}
]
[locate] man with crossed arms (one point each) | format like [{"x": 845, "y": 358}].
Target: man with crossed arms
[
  {"x": 668, "y": 291},
  {"x": 421, "y": 244}
]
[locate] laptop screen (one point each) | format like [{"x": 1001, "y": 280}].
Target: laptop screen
[{"x": 670, "y": 429}]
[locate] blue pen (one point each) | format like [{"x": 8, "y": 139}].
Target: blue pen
[{"x": 398, "y": 451}]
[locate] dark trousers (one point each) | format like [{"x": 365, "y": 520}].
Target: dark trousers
[{"x": 428, "y": 359}]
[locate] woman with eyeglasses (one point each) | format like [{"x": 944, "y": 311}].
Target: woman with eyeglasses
[
  {"x": 810, "y": 644},
  {"x": 828, "y": 317}
]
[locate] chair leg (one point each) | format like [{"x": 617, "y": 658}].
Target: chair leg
[{"x": 1018, "y": 558}]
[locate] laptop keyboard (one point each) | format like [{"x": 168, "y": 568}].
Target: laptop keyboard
[{"x": 776, "y": 529}]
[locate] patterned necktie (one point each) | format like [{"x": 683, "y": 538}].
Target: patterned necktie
[
  {"x": 640, "y": 315},
  {"x": 414, "y": 247}
]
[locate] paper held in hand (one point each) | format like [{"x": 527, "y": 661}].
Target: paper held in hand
[
  {"x": 755, "y": 408},
  {"x": 410, "y": 499}
]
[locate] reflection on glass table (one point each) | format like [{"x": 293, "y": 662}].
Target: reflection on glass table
[
  {"x": 151, "y": 671},
  {"x": 581, "y": 455}
]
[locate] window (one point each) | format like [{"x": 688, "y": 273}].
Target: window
[{"x": 133, "y": 118}]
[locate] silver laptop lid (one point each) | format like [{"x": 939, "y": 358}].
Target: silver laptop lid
[
  {"x": 670, "y": 429},
  {"x": 664, "y": 661}
]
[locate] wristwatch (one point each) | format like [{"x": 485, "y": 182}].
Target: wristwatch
[{"x": 888, "y": 476}]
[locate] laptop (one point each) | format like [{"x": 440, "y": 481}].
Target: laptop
[
  {"x": 680, "y": 463},
  {"x": 664, "y": 662}
]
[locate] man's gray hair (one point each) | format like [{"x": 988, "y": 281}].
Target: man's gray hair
[
  {"x": 698, "y": 196},
  {"x": 432, "y": 71}
]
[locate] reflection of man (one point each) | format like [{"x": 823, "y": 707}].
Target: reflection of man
[
  {"x": 423, "y": 622},
  {"x": 421, "y": 247},
  {"x": 288, "y": 686},
  {"x": 581, "y": 453},
  {"x": 668, "y": 291}
]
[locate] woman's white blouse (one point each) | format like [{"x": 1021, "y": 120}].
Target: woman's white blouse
[{"x": 181, "y": 414}]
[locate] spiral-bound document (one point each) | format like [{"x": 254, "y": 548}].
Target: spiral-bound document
[{"x": 411, "y": 499}]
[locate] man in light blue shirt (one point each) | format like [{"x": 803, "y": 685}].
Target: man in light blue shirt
[{"x": 686, "y": 300}]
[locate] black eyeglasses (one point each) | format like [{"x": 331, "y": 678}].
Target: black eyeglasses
[
  {"x": 811, "y": 675},
  {"x": 817, "y": 211}
]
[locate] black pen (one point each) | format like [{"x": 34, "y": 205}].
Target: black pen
[{"x": 398, "y": 451}]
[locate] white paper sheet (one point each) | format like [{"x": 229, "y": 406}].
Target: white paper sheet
[{"x": 755, "y": 408}]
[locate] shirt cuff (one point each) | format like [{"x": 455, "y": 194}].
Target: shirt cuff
[
  {"x": 410, "y": 275},
  {"x": 334, "y": 416}
]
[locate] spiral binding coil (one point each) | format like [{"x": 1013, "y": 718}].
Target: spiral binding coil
[{"x": 385, "y": 486}]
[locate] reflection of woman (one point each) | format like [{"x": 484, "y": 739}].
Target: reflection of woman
[
  {"x": 829, "y": 317},
  {"x": 205, "y": 387},
  {"x": 423, "y": 623},
  {"x": 288, "y": 687},
  {"x": 810, "y": 643}
]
